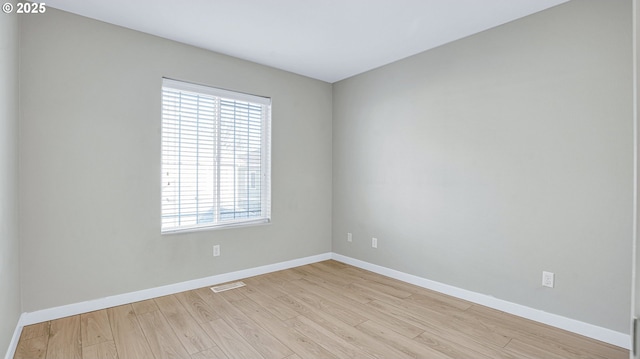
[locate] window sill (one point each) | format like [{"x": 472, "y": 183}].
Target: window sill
[{"x": 230, "y": 225}]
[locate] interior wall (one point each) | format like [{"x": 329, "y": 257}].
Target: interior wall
[
  {"x": 486, "y": 161},
  {"x": 90, "y": 163},
  {"x": 9, "y": 238}
]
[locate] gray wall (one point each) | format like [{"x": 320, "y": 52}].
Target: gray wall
[
  {"x": 90, "y": 163},
  {"x": 483, "y": 162},
  {"x": 9, "y": 244}
]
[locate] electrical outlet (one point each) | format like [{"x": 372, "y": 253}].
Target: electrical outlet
[
  {"x": 547, "y": 279},
  {"x": 216, "y": 250},
  {"x": 349, "y": 237},
  {"x": 374, "y": 242}
]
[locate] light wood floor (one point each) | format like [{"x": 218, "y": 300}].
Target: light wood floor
[{"x": 322, "y": 310}]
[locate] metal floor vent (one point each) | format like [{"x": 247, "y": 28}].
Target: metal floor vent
[{"x": 222, "y": 288}]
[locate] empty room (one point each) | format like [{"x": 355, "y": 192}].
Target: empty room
[{"x": 318, "y": 179}]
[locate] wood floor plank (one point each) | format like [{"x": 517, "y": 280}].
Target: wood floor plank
[
  {"x": 272, "y": 305},
  {"x": 353, "y": 287},
  {"x": 440, "y": 317},
  {"x": 333, "y": 282},
  {"x": 286, "y": 275},
  {"x": 191, "y": 335},
  {"x": 346, "y": 332},
  {"x": 442, "y": 325},
  {"x": 127, "y": 334},
  {"x": 271, "y": 285},
  {"x": 530, "y": 331},
  {"x": 265, "y": 286},
  {"x": 102, "y": 350},
  {"x": 335, "y": 264},
  {"x": 34, "y": 348},
  {"x": 410, "y": 347},
  {"x": 162, "y": 340},
  {"x": 369, "y": 276},
  {"x": 346, "y": 315},
  {"x": 380, "y": 283},
  {"x": 524, "y": 350},
  {"x": 426, "y": 299},
  {"x": 95, "y": 328},
  {"x": 564, "y": 350},
  {"x": 405, "y": 287},
  {"x": 211, "y": 353},
  {"x": 33, "y": 341},
  {"x": 35, "y": 330},
  {"x": 317, "y": 270},
  {"x": 299, "y": 343},
  {"x": 144, "y": 306},
  {"x": 197, "y": 307},
  {"x": 229, "y": 341},
  {"x": 263, "y": 341},
  {"x": 64, "y": 338},
  {"x": 441, "y": 298},
  {"x": 398, "y": 325},
  {"x": 236, "y": 294},
  {"x": 462, "y": 348},
  {"x": 328, "y": 340}
]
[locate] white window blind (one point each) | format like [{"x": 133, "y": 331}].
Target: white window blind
[{"x": 215, "y": 157}]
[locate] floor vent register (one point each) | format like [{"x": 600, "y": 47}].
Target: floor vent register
[{"x": 229, "y": 286}]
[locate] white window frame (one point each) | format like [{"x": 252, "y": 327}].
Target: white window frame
[{"x": 170, "y": 141}]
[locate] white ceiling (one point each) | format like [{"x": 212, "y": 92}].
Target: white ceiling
[{"x": 328, "y": 40}]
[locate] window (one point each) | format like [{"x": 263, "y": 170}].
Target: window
[{"x": 215, "y": 157}]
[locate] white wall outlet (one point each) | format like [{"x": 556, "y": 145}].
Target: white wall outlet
[
  {"x": 349, "y": 237},
  {"x": 216, "y": 250},
  {"x": 547, "y": 279},
  {"x": 374, "y": 242}
]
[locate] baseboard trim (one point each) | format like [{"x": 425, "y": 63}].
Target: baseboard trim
[
  {"x": 13, "y": 344},
  {"x": 112, "y": 301},
  {"x": 588, "y": 330}
]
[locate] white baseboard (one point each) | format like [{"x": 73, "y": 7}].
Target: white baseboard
[
  {"x": 588, "y": 330},
  {"x": 13, "y": 344},
  {"x": 108, "y": 302}
]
